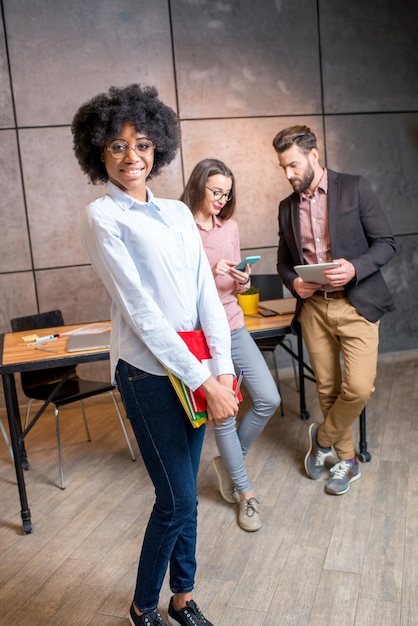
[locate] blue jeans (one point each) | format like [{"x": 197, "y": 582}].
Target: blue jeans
[
  {"x": 233, "y": 444},
  {"x": 170, "y": 448}
]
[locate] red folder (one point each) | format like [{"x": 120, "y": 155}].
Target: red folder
[{"x": 194, "y": 402}]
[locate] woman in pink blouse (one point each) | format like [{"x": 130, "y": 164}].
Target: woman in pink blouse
[{"x": 209, "y": 193}]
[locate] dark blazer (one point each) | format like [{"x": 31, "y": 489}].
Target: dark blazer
[{"x": 359, "y": 232}]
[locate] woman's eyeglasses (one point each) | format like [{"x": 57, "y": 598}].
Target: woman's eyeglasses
[
  {"x": 119, "y": 148},
  {"x": 218, "y": 195}
]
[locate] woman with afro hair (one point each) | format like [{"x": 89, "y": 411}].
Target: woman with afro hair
[{"x": 149, "y": 255}]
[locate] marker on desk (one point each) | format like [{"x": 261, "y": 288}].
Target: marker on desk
[{"x": 47, "y": 338}]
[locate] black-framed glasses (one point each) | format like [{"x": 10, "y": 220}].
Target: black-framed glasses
[
  {"x": 218, "y": 195},
  {"x": 120, "y": 148}
]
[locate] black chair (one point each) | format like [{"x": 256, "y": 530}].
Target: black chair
[
  {"x": 39, "y": 384},
  {"x": 270, "y": 288}
]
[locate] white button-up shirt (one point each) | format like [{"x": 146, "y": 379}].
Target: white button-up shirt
[{"x": 150, "y": 257}]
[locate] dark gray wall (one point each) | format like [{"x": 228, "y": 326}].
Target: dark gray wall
[{"x": 236, "y": 72}]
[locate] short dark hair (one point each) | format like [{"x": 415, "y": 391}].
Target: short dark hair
[
  {"x": 302, "y": 136},
  {"x": 195, "y": 189},
  {"x": 100, "y": 119}
]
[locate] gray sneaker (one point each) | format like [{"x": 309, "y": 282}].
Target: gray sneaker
[
  {"x": 342, "y": 474},
  {"x": 316, "y": 456},
  {"x": 226, "y": 486}
]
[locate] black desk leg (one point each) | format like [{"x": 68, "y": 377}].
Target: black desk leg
[
  {"x": 364, "y": 454},
  {"x": 13, "y": 416},
  {"x": 23, "y": 456},
  {"x": 304, "y": 413}
]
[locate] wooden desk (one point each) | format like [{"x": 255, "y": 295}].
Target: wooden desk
[
  {"x": 17, "y": 356},
  {"x": 277, "y": 326},
  {"x": 261, "y": 327}
]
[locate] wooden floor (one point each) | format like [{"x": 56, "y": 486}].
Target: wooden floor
[{"x": 318, "y": 559}]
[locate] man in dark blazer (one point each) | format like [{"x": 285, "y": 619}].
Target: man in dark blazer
[{"x": 334, "y": 217}]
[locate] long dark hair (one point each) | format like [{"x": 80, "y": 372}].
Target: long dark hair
[{"x": 195, "y": 189}]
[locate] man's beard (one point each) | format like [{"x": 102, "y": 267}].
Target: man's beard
[{"x": 303, "y": 184}]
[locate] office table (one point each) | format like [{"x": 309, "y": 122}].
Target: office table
[
  {"x": 16, "y": 356},
  {"x": 278, "y": 326}
]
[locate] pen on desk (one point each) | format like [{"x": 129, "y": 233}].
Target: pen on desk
[
  {"x": 239, "y": 381},
  {"x": 47, "y": 338},
  {"x": 45, "y": 349}
]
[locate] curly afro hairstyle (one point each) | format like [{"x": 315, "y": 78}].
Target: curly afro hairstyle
[{"x": 100, "y": 119}]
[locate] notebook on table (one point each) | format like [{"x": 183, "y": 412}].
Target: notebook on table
[
  {"x": 281, "y": 307},
  {"x": 80, "y": 342}
]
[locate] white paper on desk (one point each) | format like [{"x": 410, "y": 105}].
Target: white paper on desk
[{"x": 90, "y": 329}]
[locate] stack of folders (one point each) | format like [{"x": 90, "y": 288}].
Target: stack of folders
[{"x": 194, "y": 402}]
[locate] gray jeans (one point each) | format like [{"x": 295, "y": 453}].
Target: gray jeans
[{"x": 233, "y": 444}]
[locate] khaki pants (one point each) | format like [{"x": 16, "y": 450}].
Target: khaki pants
[{"x": 331, "y": 328}]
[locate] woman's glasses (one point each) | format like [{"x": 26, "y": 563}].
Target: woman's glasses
[
  {"x": 120, "y": 148},
  {"x": 218, "y": 195}
]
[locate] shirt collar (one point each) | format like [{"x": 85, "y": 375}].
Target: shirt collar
[
  {"x": 126, "y": 202},
  {"x": 322, "y": 185},
  {"x": 216, "y": 221}
]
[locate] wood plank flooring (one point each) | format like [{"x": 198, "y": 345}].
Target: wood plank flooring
[{"x": 345, "y": 561}]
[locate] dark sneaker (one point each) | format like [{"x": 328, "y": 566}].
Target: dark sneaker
[
  {"x": 226, "y": 486},
  {"x": 249, "y": 515},
  {"x": 342, "y": 474},
  {"x": 191, "y": 615},
  {"x": 316, "y": 456},
  {"x": 153, "y": 618}
]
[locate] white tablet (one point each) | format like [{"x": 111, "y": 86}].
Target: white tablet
[
  {"x": 313, "y": 273},
  {"x": 88, "y": 341}
]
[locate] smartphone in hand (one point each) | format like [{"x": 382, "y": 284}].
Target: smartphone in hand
[{"x": 248, "y": 259}]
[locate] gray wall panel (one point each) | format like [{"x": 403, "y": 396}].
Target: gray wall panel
[
  {"x": 15, "y": 251},
  {"x": 63, "y": 53},
  {"x": 240, "y": 59},
  {"x": 6, "y": 110},
  {"x": 384, "y": 148},
  {"x": 240, "y": 73},
  {"x": 246, "y": 147},
  {"x": 399, "y": 330},
  {"x": 18, "y": 297},
  {"x": 77, "y": 291},
  {"x": 369, "y": 55},
  {"x": 56, "y": 191}
]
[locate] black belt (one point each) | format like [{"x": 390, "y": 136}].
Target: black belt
[{"x": 331, "y": 295}]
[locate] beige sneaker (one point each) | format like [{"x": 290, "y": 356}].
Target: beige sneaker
[
  {"x": 248, "y": 515},
  {"x": 226, "y": 486}
]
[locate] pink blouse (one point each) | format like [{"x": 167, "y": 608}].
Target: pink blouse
[{"x": 222, "y": 242}]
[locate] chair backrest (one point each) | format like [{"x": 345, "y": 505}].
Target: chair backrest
[
  {"x": 270, "y": 286},
  {"x": 38, "y": 320},
  {"x": 45, "y": 376}
]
